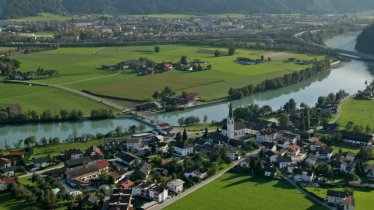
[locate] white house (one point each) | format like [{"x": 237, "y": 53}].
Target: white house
[
  {"x": 336, "y": 197},
  {"x": 266, "y": 135},
  {"x": 5, "y": 162},
  {"x": 284, "y": 161},
  {"x": 158, "y": 193},
  {"x": 324, "y": 153},
  {"x": 142, "y": 189},
  {"x": 183, "y": 149},
  {"x": 175, "y": 185},
  {"x": 197, "y": 173},
  {"x": 303, "y": 175}
]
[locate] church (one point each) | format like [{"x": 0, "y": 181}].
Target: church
[{"x": 234, "y": 130}]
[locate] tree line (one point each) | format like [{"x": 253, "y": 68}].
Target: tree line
[
  {"x": 49, "y": 116},
  {"x": 279, "y": 82}
]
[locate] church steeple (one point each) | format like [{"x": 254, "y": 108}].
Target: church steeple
[{"x": 230, "y": 124}]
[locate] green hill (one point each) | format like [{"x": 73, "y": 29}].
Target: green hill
[
  {"x": 21, "y": 8},
  {"x": 365, "y": 41}
]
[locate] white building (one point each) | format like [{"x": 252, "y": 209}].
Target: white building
[
  {"x": 234, "y": 130},
  {"x": 183, "y": 149},
  {"x": 175, "y": 185}
]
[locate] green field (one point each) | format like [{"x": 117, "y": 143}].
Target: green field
[
  {"x": 363, "y": 197},
  {"x": 8, "y": 202},
  {"x": 45, "y": 17},
  {"x": 233, "y": 191},
  {"x": 166, "y": 16},
  {"x": 80, "y": 69},
  {"x": 43, "y": 98},
  {"x": 358, "y": 111}
]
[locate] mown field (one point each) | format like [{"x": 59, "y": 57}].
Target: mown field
[
  {"x": 42, "y": 98},
  {"x": 80, "y": 69},
  {"x": 358, "y": 111},
  {"x": 363, "y": 197},
  {"x": 233, "y": 191}
]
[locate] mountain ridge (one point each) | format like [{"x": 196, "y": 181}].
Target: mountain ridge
[{"x": 22, "y": 8}]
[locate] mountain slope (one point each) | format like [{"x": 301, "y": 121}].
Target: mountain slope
[
  {"x": 20, "y": 8},
  {"x": 365, "y": 41}
]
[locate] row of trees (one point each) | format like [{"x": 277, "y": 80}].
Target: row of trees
[
  {"x": 279, "y": 82},
  {"x": 350, "y": 126},
  {"x": 331, "y": 98},
  {"x": 49, "y": 116},
  {"x": 252, "y": 111},
  {"x": 191, "y": 120}
]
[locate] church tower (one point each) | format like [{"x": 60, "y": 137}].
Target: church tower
[{"x": 230, "y": 124}]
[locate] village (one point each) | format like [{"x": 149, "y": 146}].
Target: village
[{"x": 149, "y": 168}]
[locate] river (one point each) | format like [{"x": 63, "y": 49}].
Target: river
[{"x": 351, "y": 77}]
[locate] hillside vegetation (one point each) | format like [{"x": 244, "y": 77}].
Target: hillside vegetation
[
  {"x": 365, "y": 41},
  {"x": 22, "y": 8}
]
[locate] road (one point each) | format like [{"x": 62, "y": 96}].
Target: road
[
  {"x": 76, "y": 92},
  {"x": 42, "y": 171},
  {"x": 201, "y": 184},
  {"x": 307, "y": 194},
  {"x": 337, "y": 115}
]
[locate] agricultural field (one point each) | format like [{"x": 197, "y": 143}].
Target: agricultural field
[
  {"x": 43, "y": 98},
  {"x": 80, "y": 69},
  {"x": 44, "y": 17},
  {"x": 363, "y": 197},
  {"x": 360, "y": 112},
  {"x": 232, "y": 191},
  {"x": 8, "y": 202}
]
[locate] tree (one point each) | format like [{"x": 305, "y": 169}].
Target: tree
[
  {"x": 184, "y": 137},
  {"x": 142, "y": 127},
  {"x": 231, "y": 51},
  {"x": 262, "y": 57},
  {"x": 156, "y": 95},
  {"x": 178, "y": 137},
  {"x": 269, "y": 59},
  {"x": 205, "y": 119},
  {"x": 349, "y": 126},
  {"x": 184, "y": 60},
  {"x": 284, "y": 120},
  {"x": 365, "y": 153},
  {"x": 157, "y": 49},
  {"x": 217, "y": 53},
  {"x": 206, "y": 133}
]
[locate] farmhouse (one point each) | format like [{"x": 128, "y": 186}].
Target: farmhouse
[
  {"x": 357, "y": 138},
  {"x": 81, "y": 176}
]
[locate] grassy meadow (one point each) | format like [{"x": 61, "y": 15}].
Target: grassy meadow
[
  {"x": 358, "y": 111},
  {"x": 43, "y": 98},
  {"x": 80, "y": 69},
  {"x": 232, "y": 191}
]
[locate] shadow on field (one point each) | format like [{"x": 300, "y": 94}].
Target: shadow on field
[
  {"x": 256, "y": 180},
  {"x": 284, "y": 185}
]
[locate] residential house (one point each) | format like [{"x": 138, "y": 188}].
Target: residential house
[
  {"x": 303, "y": 175},
  {"x": 5, "y": 162},
  {"x": 5, "y": 182},
  {"x": 73, "y": 154},
  {"x": 145, "y": 170},
  {"x": 79, "y": 162},
  {"x": 183, "y": 148},
  {"x": 42, "y": 162},
  {"x": 16, "y": 154},
  {"x": 162, "y": 147},
  {"x": 294, "y": 149},
  {"x": 316, "y": 144},
  {"x": 233, "y": 155},
  {"x": 133, "y": 144},
  {"x": 369, "y": 171},
  {"x": 336, "y": 197},
  {"x": 141, "y": 190},
  {"x": 120, "y": 199},
  {"x": 245, "y": 163},
  {"x": 357, "y": 138},
  {"x": 82, "y": 176},
  {"x": 201, "y": 174},
  {"x": 94, "y": 151},
  {"x": 270, "y": 171},
  {"x": 175, "y": 186},
  {"x": 324, "y": 153},
  {"x": 158, "y": 193},
  {"x": 119, "y": 175},
  {"x": 148, "y": 107},
  {"x": 127, "y": 158},
  {"x": 269, "y": 146},
  {"x": 266, "y": 135},
  {"x": 8, "y": 171},
  {"x": 349, "y": 203},
  {"x": 284, "y": 161}
]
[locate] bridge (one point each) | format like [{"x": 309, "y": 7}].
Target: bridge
[{"x": 344, "y": 53}]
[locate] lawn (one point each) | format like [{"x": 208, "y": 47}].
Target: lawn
[
  {"x": 358, "y": 111},
  {"x": 345, "y": 148},
  {"x": 45, "y": 17},
  {"x": 363, "y": 197},
  {"x": 233, "y": 191},
  {"x": 80, "y": 69},
  {"x": 43, "y": 98},
  {"x": 8, "y": 202}
]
